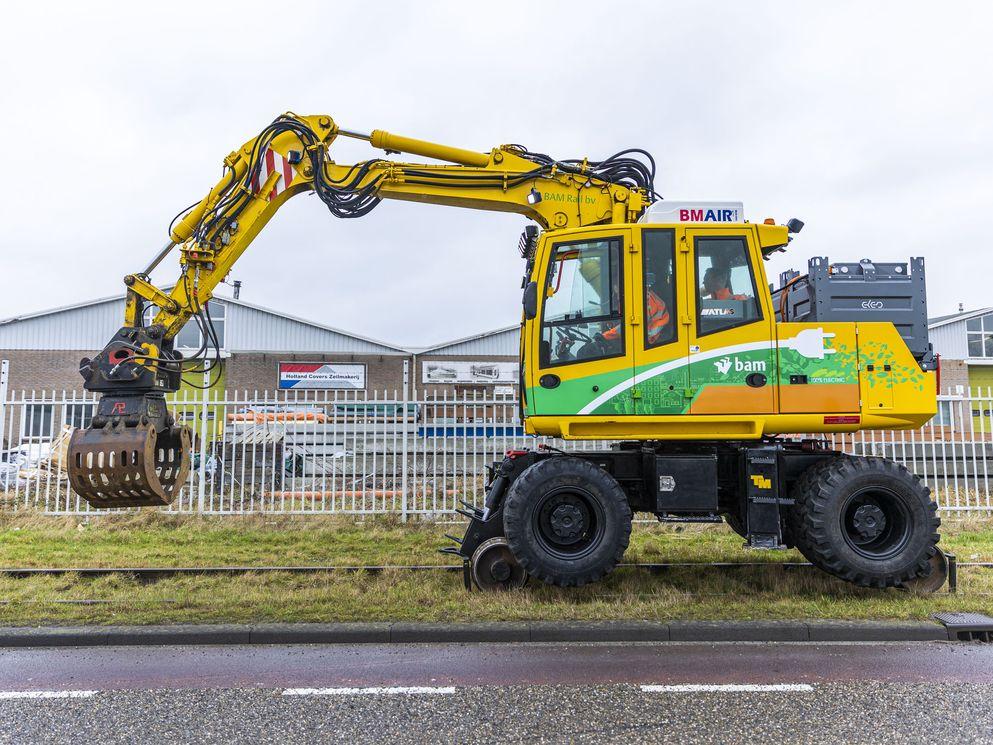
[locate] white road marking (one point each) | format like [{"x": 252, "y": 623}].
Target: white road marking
[
  {"x": 372, "y": 691},
  {"x": 46, "y": 694},
  {"x": 728, "y": 687}
]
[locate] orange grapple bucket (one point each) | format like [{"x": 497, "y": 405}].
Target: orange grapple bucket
[{"x": 129, "y": 466}]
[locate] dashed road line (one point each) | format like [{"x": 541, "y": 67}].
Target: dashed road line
[
  {"x": 4, "y": 695},
  {"x": 729, "y": 688},
  {"x": 371, "y": 691}
]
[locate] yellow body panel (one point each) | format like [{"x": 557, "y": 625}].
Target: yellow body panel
[{"x": 822, "y": 377}]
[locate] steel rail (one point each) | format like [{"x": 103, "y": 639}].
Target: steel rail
[{"x": 299, "y": 569}]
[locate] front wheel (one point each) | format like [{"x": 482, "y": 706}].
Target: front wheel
[
  {"x": 866, "y": 520},
  {"x": 567, "y": 521}
]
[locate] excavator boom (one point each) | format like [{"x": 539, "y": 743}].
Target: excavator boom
[{"x": 134, "y": 453}]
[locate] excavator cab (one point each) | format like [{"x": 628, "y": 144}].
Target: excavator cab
[{"x": 653, "y": 331}]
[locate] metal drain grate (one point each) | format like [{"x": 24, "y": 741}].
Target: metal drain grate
[{"x": 967, "y": 627}]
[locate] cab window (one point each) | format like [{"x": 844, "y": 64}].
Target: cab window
[
  {"x": 726, "y": 292},
  {"x": 659, "y": 301},
  {"x": 582, "y": 318}
]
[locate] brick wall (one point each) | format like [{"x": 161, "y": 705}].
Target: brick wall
[
  {"x": 954, "y": 373},
  {"x": 251, "y": 371},
  {"x": 38, "y": 370}
]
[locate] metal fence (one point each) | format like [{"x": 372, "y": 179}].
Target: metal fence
[{"x": 363, "y": 453}]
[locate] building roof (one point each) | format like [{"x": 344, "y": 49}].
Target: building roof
[{"x": 953, "y": 317}]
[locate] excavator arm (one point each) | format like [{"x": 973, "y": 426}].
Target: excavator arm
[{"x": 134, "y": 453}]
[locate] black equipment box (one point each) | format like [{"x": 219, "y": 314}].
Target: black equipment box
[
  {"x": 865, "y": 291},
  {"x": 686, "y": 483}
]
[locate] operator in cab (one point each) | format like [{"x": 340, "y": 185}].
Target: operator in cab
[
  {"x": 717, "y": 285},
  {"x": 657, "y": 318}
]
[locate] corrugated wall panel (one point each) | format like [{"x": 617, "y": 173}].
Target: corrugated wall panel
[
  {"x": 498, "y": 343},
  {"x": 949, "y": 340},
  {"x": 246, "y": 329},
  {"x": 86, "y": 328},
  {"x": 251, "y": 329}
]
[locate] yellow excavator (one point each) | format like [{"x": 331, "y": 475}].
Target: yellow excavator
[{"x": 646, "y": 323}]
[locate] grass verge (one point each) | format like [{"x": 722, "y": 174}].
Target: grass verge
[{"x": 154, "y": 539}]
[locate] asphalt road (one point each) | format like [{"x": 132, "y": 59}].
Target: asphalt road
[{"x": 717, "y": 693}]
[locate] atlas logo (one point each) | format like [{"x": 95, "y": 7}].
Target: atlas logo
[
  {"x": 725, "y": 364},
  {"x": 872, "y": 304}
]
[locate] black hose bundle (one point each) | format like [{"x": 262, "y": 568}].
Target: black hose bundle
[{"x": 348, "y": 197}]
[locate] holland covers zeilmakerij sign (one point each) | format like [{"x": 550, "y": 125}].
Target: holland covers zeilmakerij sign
[{"x": 322, "y": 375}]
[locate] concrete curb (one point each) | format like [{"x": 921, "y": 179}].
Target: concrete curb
[{"x": 512, "y": 631}]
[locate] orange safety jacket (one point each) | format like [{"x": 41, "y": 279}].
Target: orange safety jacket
[
  {"x": 724, "y": 293},
  {"x": 658, "y": 319}
]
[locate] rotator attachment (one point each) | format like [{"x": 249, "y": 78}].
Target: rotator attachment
[{"x": 124, "y": 460}]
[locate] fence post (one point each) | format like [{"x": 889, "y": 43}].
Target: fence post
[
  {"x": 4, "y": 375},
  {"x": 202, "y": 470},
  {"x": 404, "y": 424}
]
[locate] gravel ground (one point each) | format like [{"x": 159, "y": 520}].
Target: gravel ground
[{"x": 831, "y": 713}]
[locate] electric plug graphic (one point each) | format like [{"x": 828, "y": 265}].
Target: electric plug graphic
[{"x": 809, "y": 343}]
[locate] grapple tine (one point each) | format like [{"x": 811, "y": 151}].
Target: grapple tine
[{"x": 119, "y": 466}]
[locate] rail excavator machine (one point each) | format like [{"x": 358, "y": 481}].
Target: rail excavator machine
[{"x": 648, "y": 324}]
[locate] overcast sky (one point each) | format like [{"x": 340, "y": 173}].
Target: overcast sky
[{"x": 872, "y": 122}]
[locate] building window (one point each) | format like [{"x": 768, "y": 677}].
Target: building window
[
  {"x": 78, "y": 416},
  {"x": 980, "y": 335},
  {"x": 190, "y": 336},
  {"x": 38, "y": 422}
]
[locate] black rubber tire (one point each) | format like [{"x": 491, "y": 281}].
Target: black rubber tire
[
  {"x": 816, "y": 521},
  {"x": 526, "y": 495}
]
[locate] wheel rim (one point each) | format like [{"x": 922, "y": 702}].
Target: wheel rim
[
  {"x": 569, "y": 522},
  {"x": 495, "y": 568},
  {"x": 876, "y": 523}
]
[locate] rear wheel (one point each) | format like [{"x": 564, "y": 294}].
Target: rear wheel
[
  {"x": 866, "y": 520},
  {"x": 567, "y": 521}
]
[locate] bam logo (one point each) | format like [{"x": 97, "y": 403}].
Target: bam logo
[{"x": 724, "y": 365}]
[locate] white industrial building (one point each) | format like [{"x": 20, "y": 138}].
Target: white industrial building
[{"x": 262, "y": 349}]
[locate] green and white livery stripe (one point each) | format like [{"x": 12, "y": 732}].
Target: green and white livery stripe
[
  {"x": 811, "y": 344},
  {"x": 675, "y": 364}
]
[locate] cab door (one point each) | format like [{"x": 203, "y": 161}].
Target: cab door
[
  {"x": 580, "y": 342},
  {"x": 730, "y": 330},
  {"x": 660, "y": 346}
]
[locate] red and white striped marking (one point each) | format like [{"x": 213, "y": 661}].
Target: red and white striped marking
[{"x": 273, "y": 161}]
